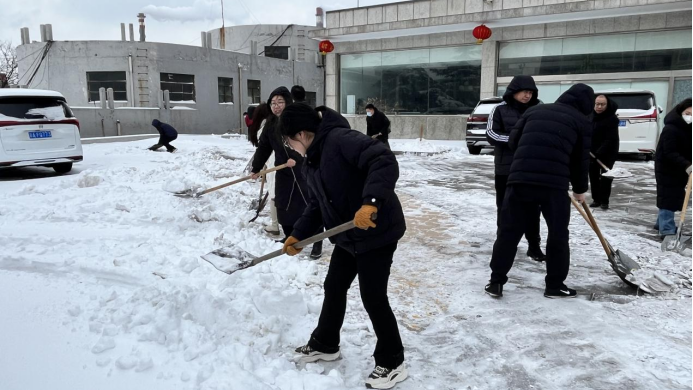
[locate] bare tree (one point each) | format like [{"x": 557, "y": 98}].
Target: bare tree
[{"x": 8, "y": 62}]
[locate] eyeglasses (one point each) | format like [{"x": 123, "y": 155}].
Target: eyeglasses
[
  {"x": 277, "y": 104},
  {"x": 600, "y": 105}
]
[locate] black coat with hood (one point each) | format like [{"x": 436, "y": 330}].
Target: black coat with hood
[
  {"x": 552, "y": 142},
  {"x": 165, "y": 130},
  {"x": 378, "y": 123},
  {"x": 346, "y": 169},
  {"x": 503, "y": 118},
  {"x": 605, "y": 139},
  {"x": 290, "y": 196},
  {"x": 672, "y": 158}
]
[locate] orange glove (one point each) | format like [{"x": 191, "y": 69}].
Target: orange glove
[
  {"x": 288, "y": 246},
  {"x": 362, "y": 219}
]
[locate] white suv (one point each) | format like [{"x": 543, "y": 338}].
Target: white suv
[
  {"x": 638, "y": 114},
  {"x": 37, "y": 128}
]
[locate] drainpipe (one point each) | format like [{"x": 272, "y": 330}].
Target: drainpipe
[
  {"x": 132, "y": 82},
  {"x": 240, "y": 98}
]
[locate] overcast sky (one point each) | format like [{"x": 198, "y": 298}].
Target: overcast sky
[{"x": 172, "y": 21}]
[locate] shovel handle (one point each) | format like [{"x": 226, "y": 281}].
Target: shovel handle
[
  {"x": 308, "y": 241},
  {"x": 684, "y": 208},
  {"x": 595, "y": 227},
  {"x": 600, "y": 163},
  {"x": 579, "y": 209},
  {"x": 242, "y": 179}
]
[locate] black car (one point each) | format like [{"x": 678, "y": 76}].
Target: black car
[{"x": 476, "y": 125}]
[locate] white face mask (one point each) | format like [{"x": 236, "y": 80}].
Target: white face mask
[
  {"x": 368, "y": 113},
  {"x": 687, "y": 118}
]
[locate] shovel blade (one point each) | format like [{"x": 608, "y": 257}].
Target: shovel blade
[
  {"x": 229, "y": 259},
  {"x": 674, "y": 243},
  {"x": 189, "y": 193}
]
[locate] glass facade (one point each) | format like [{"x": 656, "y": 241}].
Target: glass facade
[
  {"x": 437, "y": 81},
  {"x": 181, "y": 87},
  {"x": 682, "y": 90},
  {"x": 635, "y": 52},
  {"x": 115, "y": 80}
]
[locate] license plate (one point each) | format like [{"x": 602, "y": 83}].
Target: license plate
[
  {"x": 40, "y": 134},
  {"x": 621, "y": 123}
]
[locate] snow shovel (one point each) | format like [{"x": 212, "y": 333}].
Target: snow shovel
[
  {"x": 255, "y": 204},
  {"x": 191, "y": 193},
  {"x": 677, "y": 243},
  {"x": 620, "y": 262},
  {"x": 231, "y": 259},
  {"x": 609, "y": 173}
]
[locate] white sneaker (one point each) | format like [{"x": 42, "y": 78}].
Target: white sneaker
[
  {"x": 272, "y": 229},
  {"x": 306, "y": 354},
  {"x": 386, "y": 378}
]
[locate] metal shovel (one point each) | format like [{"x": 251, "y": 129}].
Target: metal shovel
[
  {"x": 620, "y": 262},
  {"x": 192, "y": 193},
  {"x": 608, "y": 172},
  {"x": 231, "y": 258},
  {"x": 677, "y": 243}
]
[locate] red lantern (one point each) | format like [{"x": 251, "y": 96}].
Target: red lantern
[
  {"x": 480, "y": 33},
  {"x": 325, "y": 47}
]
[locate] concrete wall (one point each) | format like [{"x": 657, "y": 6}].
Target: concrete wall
[
  {"x": 65, "y": 67},
  {"x": 441, "y": 127},
  {"x": 238, "y": 39}
]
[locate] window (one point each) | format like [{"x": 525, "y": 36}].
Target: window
[
  {"x": 181, "y": 87},
  {"x": 115, "y": 80},
  {"x": 635, "y": 52},
  {"x": 35, "y": 108},
  {"x": 281, "y": 52},
  {"x": 440, "y": 81},
  {"x": 311, "y": 99},
  {"x": 254, "y": 91},
  {"x": 225, "y": 90}
]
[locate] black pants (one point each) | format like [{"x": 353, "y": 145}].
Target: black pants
[
  {"x": 532, "y": 228},
  {"x": 600, "y": 185},
  {"x": 164, "y": 141},
  {"x": 518, "y": 206},
  {"x": 373, "y": 270}
]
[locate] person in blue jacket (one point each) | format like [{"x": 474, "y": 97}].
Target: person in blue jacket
[{"x": 166, "y": 134}]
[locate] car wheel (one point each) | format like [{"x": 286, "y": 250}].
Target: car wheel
[
  {"x": 62, "y": 168},
  {"x": 474, "y": 149}
]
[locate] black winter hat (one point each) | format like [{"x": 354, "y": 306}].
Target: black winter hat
[
  {"x": 283, "y": 92},
  {"x": 298, "y": 117}
]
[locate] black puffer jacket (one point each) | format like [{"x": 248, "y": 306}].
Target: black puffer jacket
[
  {"x": 290, "y": 185},
  {"x": 378, "y": 123},
  {"x": 605, "y": 139},
  {"x": 552, "y": 142},
  {"x": 503, "y": 118},
  {"x": 672, "y": 158},
  {"x": 346, "y": 169}
]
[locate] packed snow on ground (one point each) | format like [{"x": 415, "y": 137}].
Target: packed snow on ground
[{"x": 103, "y": 286}]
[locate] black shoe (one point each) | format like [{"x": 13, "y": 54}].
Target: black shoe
[
  {"x": 494, "y": 289},
  {"x": 595, "y": 204},
  {"x": 536, "y": 254},
  {"x": 605, "y": 206},
  {"x": 564, "y": 292},
  {"x": 386, "y": 378},
  {"x": 308, "y": 355},
  {"x": 316, "y": 253}
]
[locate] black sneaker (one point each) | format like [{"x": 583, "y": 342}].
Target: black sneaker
[
  {"x": 386, "y": 378},
  {"x": 316, "y": 253},
  {"x": 564, "y": 292},
  {"x": 308, "y": 355},
  {"x": 536, "y": 254},
  {"x": 494, "y": 289},
  {"x": 595, "y": 204},
  {"x": 605, "y": 206}
]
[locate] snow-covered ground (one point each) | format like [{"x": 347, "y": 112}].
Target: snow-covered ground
[{"x": 102, "y": 285}]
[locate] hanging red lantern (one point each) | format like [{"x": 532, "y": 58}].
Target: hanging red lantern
[
  {"x": 325, "y": 47},
  {"x": 481, "y": 33}
]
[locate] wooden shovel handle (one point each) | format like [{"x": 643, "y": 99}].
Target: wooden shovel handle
[
  {"x": 579, "y": 209},
  {"x": 595, "y": 227},
  {"x": 600, "y": 163},
  {"x": 684, "y": 208},
  {"x": 242, "y": 179}
]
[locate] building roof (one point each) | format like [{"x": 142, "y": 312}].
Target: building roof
[{"x": 10, "y": 92}]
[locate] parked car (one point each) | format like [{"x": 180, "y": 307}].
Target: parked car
[
  {"x": 638, "y": 113},
  {"x": 476, "y": 125},
  {"x": 38, "y": 128}
]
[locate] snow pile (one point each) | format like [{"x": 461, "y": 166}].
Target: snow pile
[
  {"x": 617, "y": 173},
  {"x": 417, "y": 146}
]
